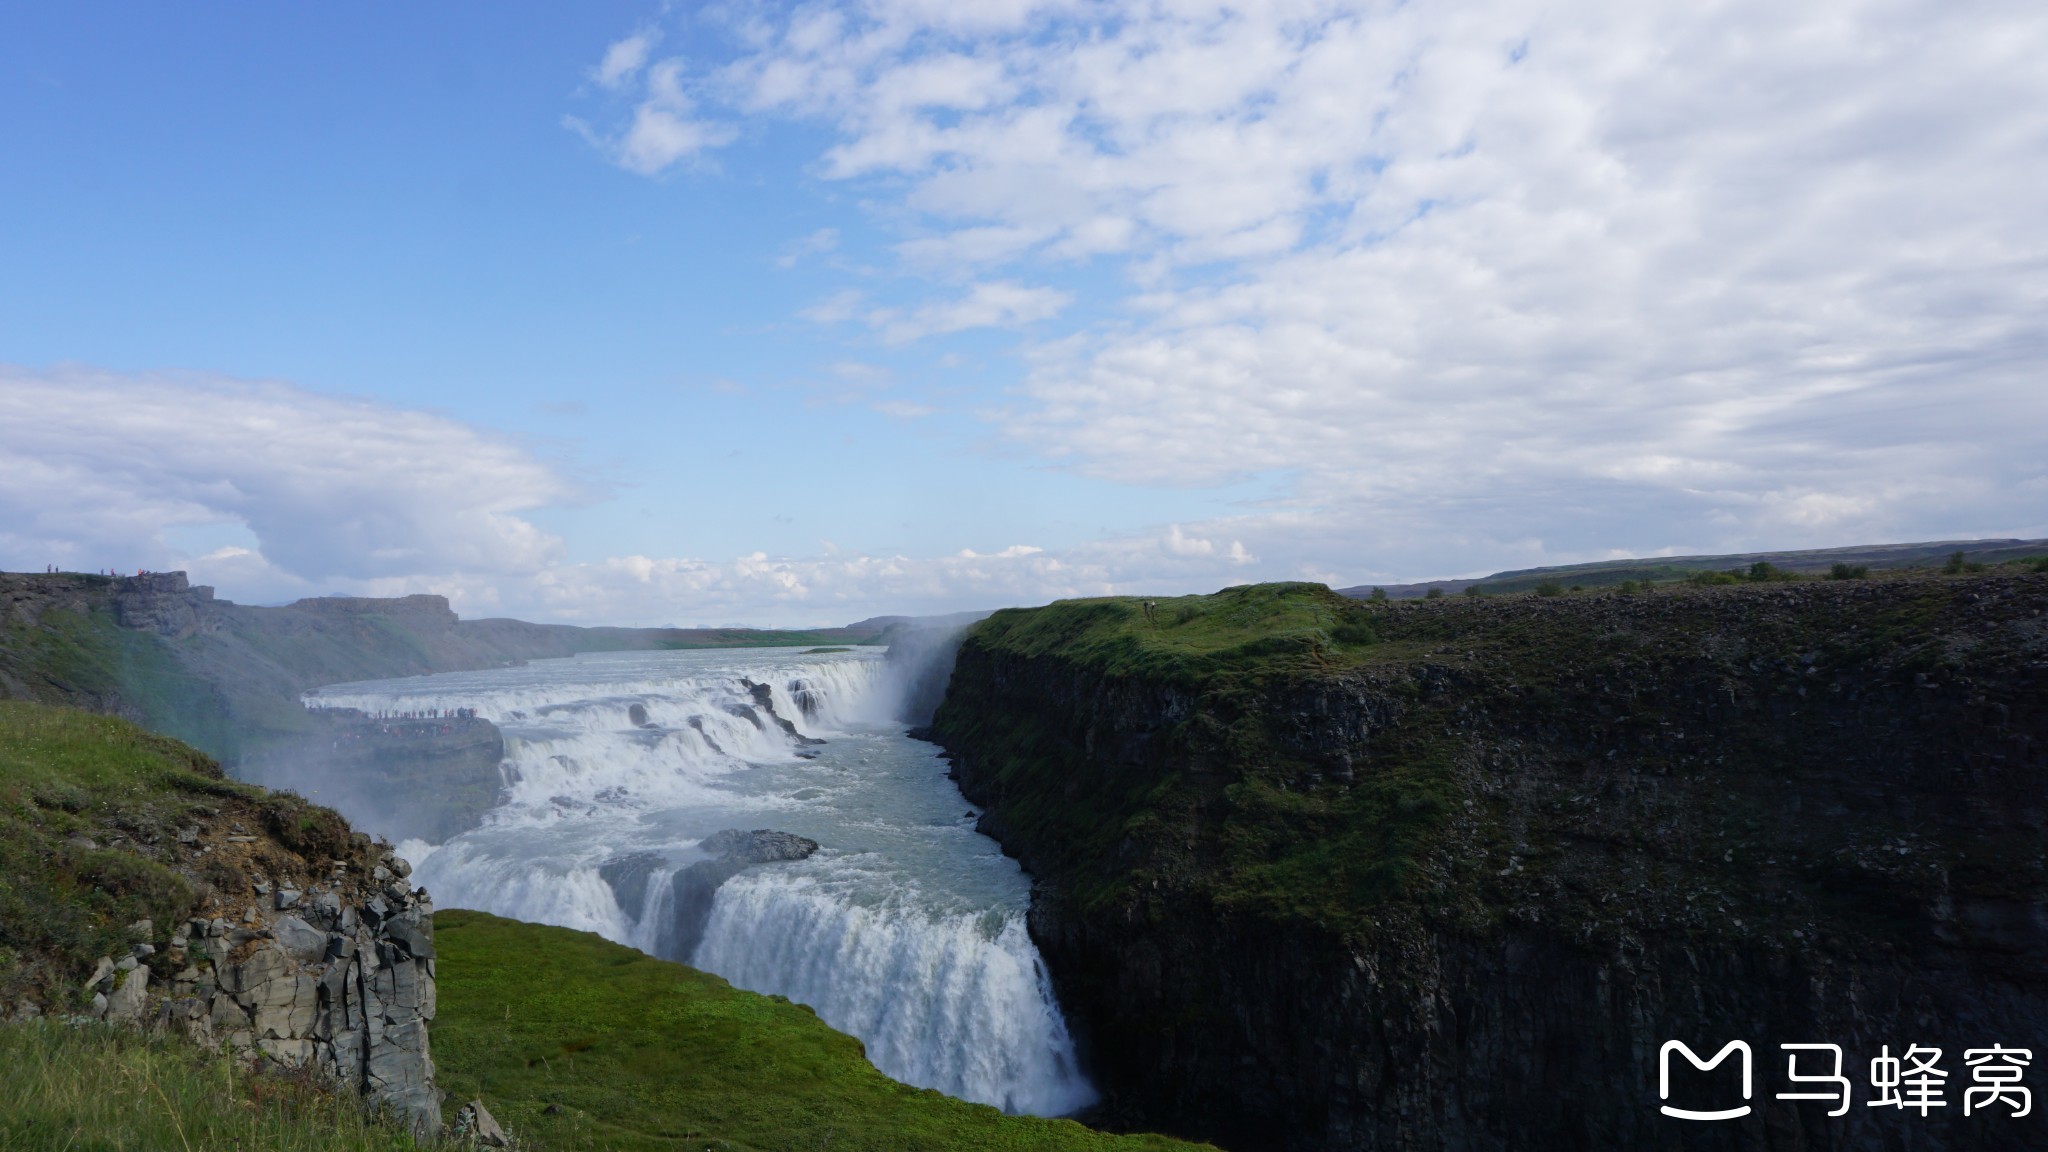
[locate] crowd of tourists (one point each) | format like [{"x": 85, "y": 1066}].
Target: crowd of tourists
[
  {"x": 425, "y": 714},
  {"x": 412, "y": 723}
]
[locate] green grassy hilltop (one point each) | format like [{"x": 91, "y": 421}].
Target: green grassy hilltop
[
  {"x": 1220, "y": 662},
  {"x": 1194, "y": 640}
]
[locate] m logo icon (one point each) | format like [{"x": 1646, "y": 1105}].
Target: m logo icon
[{"x": 1664, "y": 1079}]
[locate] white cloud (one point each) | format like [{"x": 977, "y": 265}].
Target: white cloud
[
  {"x": 107, "y": 470},
  {"x": 821, "y": 241},
  {"x": 1182, "y": 544},
  {"x": 1627, "y": 275},
  {"x": 835, "y": 309},
  {"x": 998, "y": 304},
  {"x": 96, "y": 467},
  {"x": 970, "y": 247},
  {"x": 664, "y": 128},
  {"x": 625, "y": 58},
  {"x": 858, "y": 372},
  {"x": 1470, "y": 285},
  {"x": 840, "y": 587}
]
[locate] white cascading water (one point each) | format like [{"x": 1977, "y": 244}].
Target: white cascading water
[{"x": 905, "y": 929}]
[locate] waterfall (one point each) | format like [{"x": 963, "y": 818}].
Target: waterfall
[
  {"x": 905, "y": 929},
  {"x": 960, "y": 1002}
]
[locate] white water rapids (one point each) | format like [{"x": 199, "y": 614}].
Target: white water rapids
[{"x": 905, "y": 929}]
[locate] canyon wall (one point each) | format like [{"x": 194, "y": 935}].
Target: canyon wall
[{"x": 1448, "y": 874}]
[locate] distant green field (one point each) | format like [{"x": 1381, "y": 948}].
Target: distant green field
[
  {"x": 575, "y": 1042},
  {"x": 1864, "y": 559}
]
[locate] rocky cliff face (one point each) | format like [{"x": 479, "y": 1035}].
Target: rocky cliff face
[
  {"x": 334, "y": 974},
  {"x": 1457, "y": 892},
  {"x": 162, "y": 602},
  {"x": 252, "y": 919}
]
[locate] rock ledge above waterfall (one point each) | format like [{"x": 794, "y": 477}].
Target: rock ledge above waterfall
[
  {"x": 681, "y": 910},
  {"x": 761, "y": 846}
]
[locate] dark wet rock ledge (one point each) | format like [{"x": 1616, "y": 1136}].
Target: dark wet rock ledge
[{"x": 685, "y": 909}]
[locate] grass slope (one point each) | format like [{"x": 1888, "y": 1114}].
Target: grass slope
[
  {"x": 86, "y": 658},
  {"x": 635, "y": 1053},
  {"x": 575, "y": 1042},
  {"x": 114, "y": 1090},
  {"x": 1193, "y": 640},
  {"x": 84, "y": 799}
]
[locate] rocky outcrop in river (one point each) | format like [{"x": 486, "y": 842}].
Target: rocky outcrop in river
[
  {"x": 683, "y": 909},
  {"x": 1456, "y": 884}
]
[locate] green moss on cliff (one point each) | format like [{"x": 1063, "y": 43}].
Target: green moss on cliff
[
  {"x": 1307, "y": 902},
  {"x": 1333, "y": 857},
  {"x": 1247, "y": 821},
  {"x": 1606, "y": 762},
  {"x": 90, "y": 810},
  {"x": 576, "y": 1042}
]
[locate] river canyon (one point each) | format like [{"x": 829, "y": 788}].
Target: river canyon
[{"x": 904, "y": 927}]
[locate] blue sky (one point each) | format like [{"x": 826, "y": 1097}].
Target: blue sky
[{"x": 639, "y": 313}]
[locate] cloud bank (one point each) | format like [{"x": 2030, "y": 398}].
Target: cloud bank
[
  {"x": 1536, "y": 279},
  {"x": 1461, "y": 286},
  {"x": 842, "y": 588},
  {"x": 107, "y": 470}
]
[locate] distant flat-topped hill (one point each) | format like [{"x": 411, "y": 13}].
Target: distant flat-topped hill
[
  {"x": 1652, "y": 569},
  {"x": 225, "y": 676}
]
